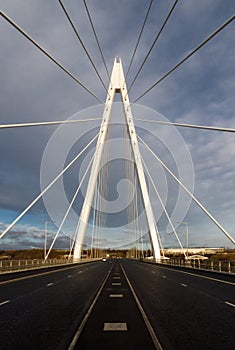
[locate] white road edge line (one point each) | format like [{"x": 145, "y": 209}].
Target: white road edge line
[
  {"x": 230, "y": 304},
  {"x": 197, "y": 275},
  {"x": 146, "y": 320},
  {"x": 4, "y": 302},
  {"x": 82, "y": 324},
  {"x": 41, "y": 274}
]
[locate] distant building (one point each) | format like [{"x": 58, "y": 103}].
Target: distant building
[{"x": 192, "y": 251}]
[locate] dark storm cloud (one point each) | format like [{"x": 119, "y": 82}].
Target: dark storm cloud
[{"x": 200, "y": 92}]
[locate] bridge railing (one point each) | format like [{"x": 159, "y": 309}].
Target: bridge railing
[
  {"x": 7, "y": 266},
  {"x": 226, "y": 266},
  {"x": 212, "y": 265}
]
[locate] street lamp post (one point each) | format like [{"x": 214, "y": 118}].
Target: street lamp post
[
  {"x": 186, "y": 243},
  {"x": 45, "y": 239}
]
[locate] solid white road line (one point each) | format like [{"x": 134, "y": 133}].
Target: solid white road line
[
  {"x": 4, "y": 302},
  {"x": 40, "y": 274},
  {"x": 230, "y": 304},
  {"x": 197, "y": 275},
  {"x": 145, "y": 317},
  {"x": 80, "y": 328}
]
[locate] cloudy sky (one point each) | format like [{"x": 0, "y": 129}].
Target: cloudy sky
[{"x": 201, "y": 91}]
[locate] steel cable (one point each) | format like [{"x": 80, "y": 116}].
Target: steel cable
[
  {"x": 139, "y": 37},
  {"x": 188, "y": 192},
  {"x": 16, "y": 26},
  {"x": 22, "y": 125},
  {"x": 82, "y": 43},
  {"x": 203, "y": 127},
  {"x": 153, "y": 44},
  {"x": 96, "y": 38},
  {"x": 188, "y": 56}
]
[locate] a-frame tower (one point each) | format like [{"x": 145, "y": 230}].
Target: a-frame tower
[{"x": 117, "y": 85}]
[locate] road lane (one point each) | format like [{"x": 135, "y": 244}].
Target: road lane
[
  {"x": 187, "y": 312},
  {"x": 44, "y": 312},
  {"x": 116, "y": 322},
  {"x": 26, "y": 282}
]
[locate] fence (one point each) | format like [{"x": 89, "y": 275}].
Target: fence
[
  {"x": 226, "y": 266},
  {"x": 212, "y": 265},
  {"x": 7, "y": 266}
]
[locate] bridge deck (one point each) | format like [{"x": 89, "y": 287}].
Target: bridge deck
[
  {"x": 116, "y": 322},
  {"x": 186, "y": 309}
]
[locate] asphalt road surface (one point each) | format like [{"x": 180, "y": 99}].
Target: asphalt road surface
[
  {"x": 184, "y": 309},
  {"x": 115, "y": 321},
  {"x": 187, "y": 309},
  {"x": 44, "y": 312}
]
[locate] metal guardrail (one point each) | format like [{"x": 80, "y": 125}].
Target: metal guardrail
[
  {"x": 212, "y": 265},
  {"x": 226, "y": 266},
  {"x": 7, "y": 266}
]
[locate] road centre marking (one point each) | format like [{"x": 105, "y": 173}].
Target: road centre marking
[
  {"x": 145, "y": 318},
  {"x": 112, "y": 326},
  {"x": 116, "y": 295},
  {"x": 116, "y": 278},
  {"x": 116, "y": 284},
  {"x": 49, "y": 284}
]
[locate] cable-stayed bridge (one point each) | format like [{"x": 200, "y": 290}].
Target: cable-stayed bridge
[{"x": 115, "y": 303}]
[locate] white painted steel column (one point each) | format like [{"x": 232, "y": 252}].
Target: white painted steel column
[
  {"x": 137, "y": 156},
  {"x": 117, "y": 85},
  {"x": 84, "y": 217}
]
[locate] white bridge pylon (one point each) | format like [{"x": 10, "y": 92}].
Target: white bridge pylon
[{"x": 117, "y": 85}]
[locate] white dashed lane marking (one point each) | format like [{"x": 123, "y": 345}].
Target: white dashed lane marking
[
  {"x": 183, "y": 285},
  {"x": 115, "y": 326},
  {"x": 116, "y": 295},
  {"x": 4, "y": 302},
  {"x": 49, "y": 284},
  {"x": 116, "y": 284}
]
